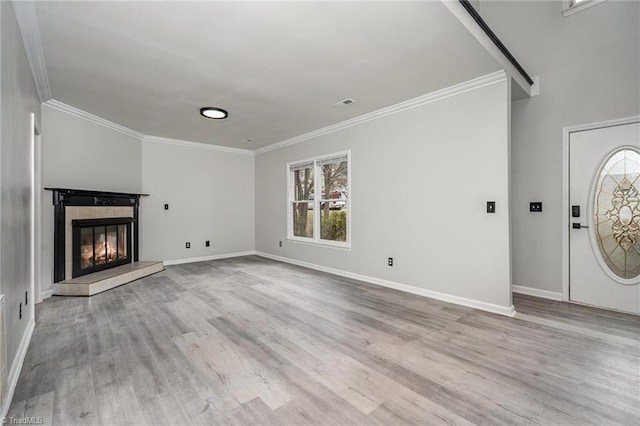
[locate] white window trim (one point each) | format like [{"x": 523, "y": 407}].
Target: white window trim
[
  {"x": 316, "y": 240},
  {"x": 568, "y": 10}
]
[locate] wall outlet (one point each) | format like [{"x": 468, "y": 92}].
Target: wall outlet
[
  {"x": 166, "y": 206},
  {"x": 207, "y": 243},
  {"x": 279, "y": 243},
  {"x": 535, "y": 206},
  {"x": 20, "y": 312},
  {"x": 390, "y": 261},
  {"x": 188, "y": 245},
  {"x": 491, "y": 206}
]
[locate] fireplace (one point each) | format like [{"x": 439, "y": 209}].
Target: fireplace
[
  {"x": 93, "y": 231},
  {"x": 100, "y": 244}
]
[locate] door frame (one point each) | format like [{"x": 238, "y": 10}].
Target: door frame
[
  {"x": 566, "y": 201},
  {"x": 35, "y": 166}
]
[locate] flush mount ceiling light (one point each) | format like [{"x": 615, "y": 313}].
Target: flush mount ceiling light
[{"x": 213, "y": 113}]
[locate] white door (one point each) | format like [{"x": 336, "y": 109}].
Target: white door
[{"x": 604, "y": 185}]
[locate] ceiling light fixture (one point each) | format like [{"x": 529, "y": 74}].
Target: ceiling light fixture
[{"x": 213, "y": 113}]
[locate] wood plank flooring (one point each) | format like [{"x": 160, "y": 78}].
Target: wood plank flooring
[{"x": 250, "y": 341}]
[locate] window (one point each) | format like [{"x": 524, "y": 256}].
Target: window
[
  {"x": 573, "y": 6},
  {"x": 319, "y": 202}
]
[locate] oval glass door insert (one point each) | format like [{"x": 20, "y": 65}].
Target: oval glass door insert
[{"x": 616, "y": 215}]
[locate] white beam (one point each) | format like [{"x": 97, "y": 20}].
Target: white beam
[{"x": 467, "y": 20}]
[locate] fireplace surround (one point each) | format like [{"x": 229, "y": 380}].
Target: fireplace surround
[{"x": 78, "y": 213}]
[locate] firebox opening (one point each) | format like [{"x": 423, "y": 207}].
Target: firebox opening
[{"x": 100, "y": 244}]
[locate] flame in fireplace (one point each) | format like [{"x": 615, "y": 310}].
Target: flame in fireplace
[
  {"x": 110, "y": 255},
  {"x": 105, "y": 253}
]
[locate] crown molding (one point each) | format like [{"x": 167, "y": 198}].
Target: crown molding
[
  {"x": 467, "y": 86},
  {"x": 76, "y": 112},
  {"x": 60, "y": 106},
  {"x": 30, "y": 31},
  {"x": 199, "y": 145}
]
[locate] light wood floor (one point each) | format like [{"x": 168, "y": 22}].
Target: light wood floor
[{"x": 256, "y": 342}]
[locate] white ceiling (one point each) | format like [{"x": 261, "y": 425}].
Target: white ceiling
[{"x": 277, "y": 67}]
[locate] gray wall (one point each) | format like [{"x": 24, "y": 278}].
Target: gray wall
[
  {"x": 588, "y": 65},
  {"x": 18, "y": 99},
  {"x": 420, "y": 180},
  {"x": 210, "y": 195},
  {"x": 210, "y": 192},
  {"x": 80, "y": 154}
]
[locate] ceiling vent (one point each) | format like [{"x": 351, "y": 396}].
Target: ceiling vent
[{"x": 345, "y": 102}]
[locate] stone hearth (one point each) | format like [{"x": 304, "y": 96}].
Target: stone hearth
[{"x": 88, "y": 285}]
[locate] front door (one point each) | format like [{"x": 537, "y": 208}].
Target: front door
[{"x": 604, "y": 234}]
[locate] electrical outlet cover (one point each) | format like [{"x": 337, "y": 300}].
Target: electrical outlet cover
[{"x": 535, "y": 206}]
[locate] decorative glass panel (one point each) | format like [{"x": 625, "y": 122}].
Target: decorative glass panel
[{"x": 616, "y": 209}]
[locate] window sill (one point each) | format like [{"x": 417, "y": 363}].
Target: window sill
[
  {"x": 338, "y": 246},
  {"x": 580, "y": 7}
]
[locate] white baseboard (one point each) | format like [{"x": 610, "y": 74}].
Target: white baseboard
[
  {"x": 531, "y": 291},
  {"x": 205, "y": 258},
  {"x": 46, "y": 294},
  {"x": 483, "y": 306},
  {"x": 16, "y": 367}
]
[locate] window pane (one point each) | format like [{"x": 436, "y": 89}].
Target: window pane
[
  {"x": 303, "y": 183},
  {"x": 333, "y": 222},
  {"x": 303, "y": 219},
  {"x": 334, "y": 180}
]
